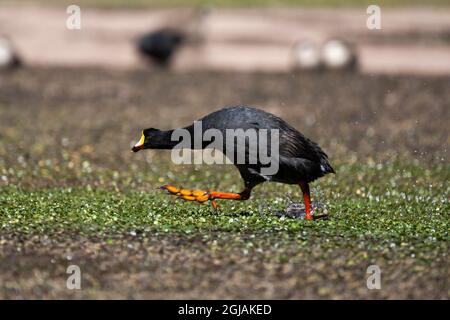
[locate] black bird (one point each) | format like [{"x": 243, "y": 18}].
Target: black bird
[
  {"x": 300, "y": 160},
  {"x": 160, "y": 45}
]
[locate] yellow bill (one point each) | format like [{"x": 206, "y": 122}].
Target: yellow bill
[{"x": 140, "y": 144}]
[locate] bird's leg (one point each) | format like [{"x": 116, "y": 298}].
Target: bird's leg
[
  {"x": 202, "y": 195},
  {"x": 244, "y": 195},
  {"x": 306, "y": 199}
]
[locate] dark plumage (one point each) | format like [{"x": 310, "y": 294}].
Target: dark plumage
[
  {"x": 300, "y": 159},
  {"x": 160, "y": 45}
]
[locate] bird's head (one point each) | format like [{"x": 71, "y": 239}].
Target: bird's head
[{"x": 145, "y": 142}]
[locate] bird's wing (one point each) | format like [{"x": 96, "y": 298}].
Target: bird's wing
[{"x": 294, "y": 144}]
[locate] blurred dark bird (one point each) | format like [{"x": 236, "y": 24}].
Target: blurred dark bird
[
  {"x": 300, "y": 160},
  {"x": 159, "y": 46}
]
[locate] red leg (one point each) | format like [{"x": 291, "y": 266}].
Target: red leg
[
  {"x": 306, "y": 199},
  {"x": 244, "y": 195},
  {"x": 224, "y": 195}
]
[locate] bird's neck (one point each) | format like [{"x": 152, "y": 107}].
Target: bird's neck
[{"x": 162, "y": 140}]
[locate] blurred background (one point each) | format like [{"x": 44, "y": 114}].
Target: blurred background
[{"x": 250, "y": 35}]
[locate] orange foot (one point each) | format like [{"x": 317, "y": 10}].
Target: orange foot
[
  {"x": 202, "y": 195},
  {"x": 188, "y": 194}
]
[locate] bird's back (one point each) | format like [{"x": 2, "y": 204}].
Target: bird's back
[
  {"x": 299, "y": 157},
  {"x": 294, "y": 148},
  {"x": 292, "y": 142}
]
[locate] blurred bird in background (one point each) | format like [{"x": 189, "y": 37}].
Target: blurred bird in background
[
  {"x": 9, "y": 59},
  {"x": 159, "y": 46}
]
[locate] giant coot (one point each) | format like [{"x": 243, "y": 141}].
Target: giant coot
[{"x": 300, "y": 160}]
